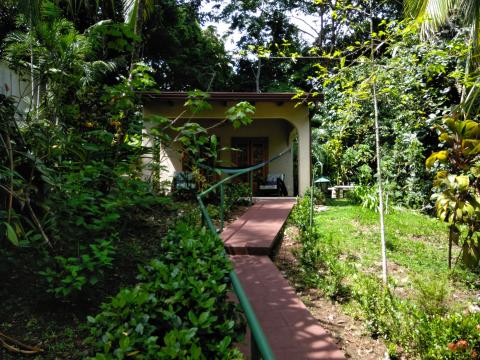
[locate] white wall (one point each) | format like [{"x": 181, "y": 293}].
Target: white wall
[
  {"x": 14, "y": 85},
  {"x": 277, "y": 131}
]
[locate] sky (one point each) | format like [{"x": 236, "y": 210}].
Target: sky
[{"x": 302, "y": 21}]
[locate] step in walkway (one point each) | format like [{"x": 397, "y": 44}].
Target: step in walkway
[
  {"x": 255, "y": 232},
  {"x": 292, "y": 332}
]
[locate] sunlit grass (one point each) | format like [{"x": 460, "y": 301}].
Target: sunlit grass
[{"x": 415, "y": 241}]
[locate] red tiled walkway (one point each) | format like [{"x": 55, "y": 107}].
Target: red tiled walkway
[
  {"x": 255, "y": 231},
  {"x": 292, "y": 332}
]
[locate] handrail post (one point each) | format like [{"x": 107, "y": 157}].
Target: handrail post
[
  {"x": 251, "y": 187},
  {"x": 254, "y": 351},
  {"x": 222, "y": 204}
]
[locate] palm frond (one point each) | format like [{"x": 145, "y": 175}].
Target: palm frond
[
  {"x": 131, "y": 11},
  {"x": 93, "y": 70},
  {"x": 431, "y": 14},
  {"x": 470, "y": 11},
  {"x": 31, "y": 10},
  {"x": 415, "y": 8}
]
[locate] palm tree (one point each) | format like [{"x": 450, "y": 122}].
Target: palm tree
[
  {"x": 435, "y": 13},
  {"x": 432, "y": 14}
]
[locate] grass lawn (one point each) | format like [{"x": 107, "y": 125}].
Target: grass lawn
[{"x": 416, "y": 246}]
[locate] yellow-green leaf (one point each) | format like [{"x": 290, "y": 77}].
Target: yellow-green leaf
[
  {"x": 463, "y": 182},
  {"x": 439, "y": 155},
  {"x": 11, "y": 234},
  {"x": 444, "y": 137}
]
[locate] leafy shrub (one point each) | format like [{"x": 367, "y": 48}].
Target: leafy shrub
[
  {"x": 236, "y": 194},
  {"x": 379, "y": 306},
  {"x": 300, "y": 215},
  {"x": 431, "y": 293},
  {"x": 417, "y": 330},
  {"x": 321, "y": 267},
  {"x": 455, "y": 336},
  {"x": 180, "y": 308},
  {"x": 367, "y": 196},
  {"x": 319, "y": 256},
  {"x": 318, "y": 196},
  {"x": 85, "y": 223},
  {"x": 71, "y": 274}
]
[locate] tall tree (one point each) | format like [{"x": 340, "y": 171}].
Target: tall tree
[{"x": 183, "y": 54}]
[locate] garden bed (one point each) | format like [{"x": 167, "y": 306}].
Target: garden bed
[{"x": 59, "y": 327}]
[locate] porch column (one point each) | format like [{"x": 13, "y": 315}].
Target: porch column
[
  {"x": 303, "y": 158},
  {"x": 303, "y": 128}
]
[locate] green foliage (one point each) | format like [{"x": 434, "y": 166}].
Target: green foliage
[
  {"x": 321, "y": 268},
  {"x": 180, "y": 308},
  {"x": 318, "y": 256},
  {"x": 84, "y": 224},
  {"x": 457, "y": 190},
  {"x": 240, "y": 114},
  {"x": 435, "y": 335},
  {"x": 379, "y": 306},
  {"x": 73, "y": 274},
  {"x": 406, "y": 70},
  {"x": 190, "y": 57},
  {"x": 235, "y": 194},
  {"x": 420, "y": 325},
  {"x": 431, "y": 293},
  {"x": 74, "y": 170},
  {"x": 367, "y": 196},
  {"x": 318, "y": 196},
  {"x": 300, "y": 214},
  {"x": 454, "y": 336}
]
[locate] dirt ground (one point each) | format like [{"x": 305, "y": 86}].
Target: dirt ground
[{"x": 349, "y": 333}]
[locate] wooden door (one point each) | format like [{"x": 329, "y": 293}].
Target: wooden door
[{"x": 251, "y": 151}]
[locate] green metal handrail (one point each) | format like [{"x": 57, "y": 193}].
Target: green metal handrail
[
  {"x": 222, "y": 182},
  {"x": 259, "y": 344}
]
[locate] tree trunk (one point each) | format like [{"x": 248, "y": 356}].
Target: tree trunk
[
  {"x": 257, "y": 75},
  {"x": 377, "y": 150},
  {"x": 450, "y": 243},
  {"x": 137, "y": 30}
]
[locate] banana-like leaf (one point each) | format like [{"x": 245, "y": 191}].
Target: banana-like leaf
[{"x": 468, "y": 129}]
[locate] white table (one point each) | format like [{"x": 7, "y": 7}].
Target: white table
[{"x": 340, "y": 189}]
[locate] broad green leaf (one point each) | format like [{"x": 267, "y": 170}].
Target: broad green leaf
[{"x": 11, "y": 235}]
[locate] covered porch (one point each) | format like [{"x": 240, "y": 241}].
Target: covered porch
[{"x": 278, "y": 123}]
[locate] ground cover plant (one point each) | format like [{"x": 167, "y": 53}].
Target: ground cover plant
[
  {"x": 192, "y": 276},
  {"x": 427, "y": 311}
]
